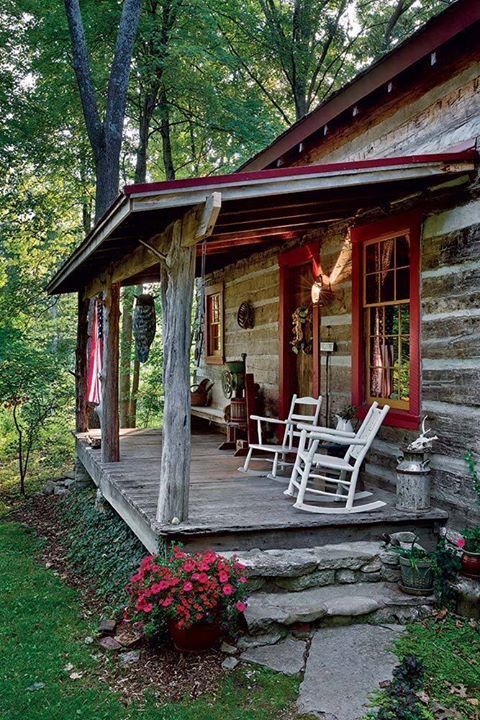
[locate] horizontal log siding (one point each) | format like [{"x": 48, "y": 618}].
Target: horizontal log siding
[{"x": 411, "y": 121}]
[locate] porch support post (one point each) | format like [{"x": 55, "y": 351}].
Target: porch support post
[
  {"x": 177, "y": 280},
  {"x": 110, "y": 421},
  {"x": 81, "y": 364}
]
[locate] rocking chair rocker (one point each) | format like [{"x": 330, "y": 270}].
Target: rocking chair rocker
[
  {"x": 342, "y": 473},
  {"x": 286, "y": 446}
]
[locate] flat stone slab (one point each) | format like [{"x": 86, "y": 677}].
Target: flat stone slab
[
  {"x": 294, "y": 563},
  {"x": 332, "y": 601},
  {"x": 345, "y": 665},
  {"x": 287, "y": 656}
]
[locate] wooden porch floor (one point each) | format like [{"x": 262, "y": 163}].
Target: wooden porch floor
[{"x": 229, "y": 510}]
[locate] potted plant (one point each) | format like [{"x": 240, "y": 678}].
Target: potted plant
[
  {"x": 470, "y": 546},
  {"x": 345, "y": 417},
  {"x": 416, "y": 566},
  {"x": 190, "y": 595}
]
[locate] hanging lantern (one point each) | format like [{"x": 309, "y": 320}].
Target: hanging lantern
[{"x": 144, "y": 325}]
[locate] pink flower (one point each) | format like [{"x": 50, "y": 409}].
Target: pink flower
[
  {"x": 188, "y": 586},
  {"x": 203, "y": 578},
  {"x": 188, "y": 566},
  {"x": 461, "y": 542},
  {"x": 223, "y": 577},
  {"x": 227, "y": 590},
  {"x": 241, "y": 606},
  {"x": 168, "y": 601},
  {"x": 242, "y": 580}
]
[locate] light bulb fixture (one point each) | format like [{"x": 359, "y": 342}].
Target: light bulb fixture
[{"x": 317, "y": 290}]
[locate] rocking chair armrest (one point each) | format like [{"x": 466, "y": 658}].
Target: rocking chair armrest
[
  {"x": 338, "y": 439},
  {"x": 268, "y": 419},
  {"x": 326, "y": 430}
]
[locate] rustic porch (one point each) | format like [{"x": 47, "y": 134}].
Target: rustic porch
[{"x": 229, "y": 510}]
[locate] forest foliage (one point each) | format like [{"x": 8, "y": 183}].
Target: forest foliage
[{"x": 211, "y": 83}]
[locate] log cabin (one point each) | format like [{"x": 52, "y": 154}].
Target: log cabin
[{"x": 373, "y": 199}]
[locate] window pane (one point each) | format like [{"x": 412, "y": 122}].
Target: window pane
[
  {"x": 387, "y": 287},
  {"x": 371, "y": 289},
  {"x": 371, "y": 252},
  {"x": 404, "y": 312},
  {"x": 403, "y": 251},
  {"x": 403, "y": 284}
]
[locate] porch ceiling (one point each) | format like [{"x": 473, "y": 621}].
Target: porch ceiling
[{"x": 258, "y": 209}]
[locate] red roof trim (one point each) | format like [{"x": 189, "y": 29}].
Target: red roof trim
[
  {"x": 464, "y": 153},
  {"x": 439, "y": 30}
]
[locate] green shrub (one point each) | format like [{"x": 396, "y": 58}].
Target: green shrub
[{"x": 100, "y": 545}]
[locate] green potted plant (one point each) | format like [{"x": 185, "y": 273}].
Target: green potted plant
[
  {"x": 191, "y": 596},
  {"x": 345, "y": 417},
  {"x": 469, "y": 543},
  {"x": 416, "y": 566}
]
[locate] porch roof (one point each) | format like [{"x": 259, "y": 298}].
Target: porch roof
[{"x": 257, "y": 208}]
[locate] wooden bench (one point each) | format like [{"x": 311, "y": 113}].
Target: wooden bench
[{"x": 211, "y": 414}]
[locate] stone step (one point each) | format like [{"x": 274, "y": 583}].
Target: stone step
[
  {"x": 300, "y": 569},
  {"x": 376, "y": 603}
]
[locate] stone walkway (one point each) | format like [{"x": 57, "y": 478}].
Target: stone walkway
[{"x": 341, "y": 666}]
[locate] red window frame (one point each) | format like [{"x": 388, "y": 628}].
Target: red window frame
[{"x": 409, "y": 224}]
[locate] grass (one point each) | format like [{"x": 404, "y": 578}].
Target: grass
[
  {"x": 42, "y": 632},
  {"x": 450, "y": 651}
]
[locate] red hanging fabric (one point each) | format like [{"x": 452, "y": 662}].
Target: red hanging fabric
[{"x": 95, "y": 358}]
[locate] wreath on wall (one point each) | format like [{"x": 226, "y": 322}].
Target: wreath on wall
[{"x": 302, "y": 330}]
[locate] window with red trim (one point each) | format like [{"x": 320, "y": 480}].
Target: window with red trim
[
  {"x": 214, "y": 324},
  {"x": 385, "y": 318}
]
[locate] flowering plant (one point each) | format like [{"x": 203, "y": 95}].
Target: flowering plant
[
  {"x": 470, "y": 542},
  {"x": 188, "y": 589}
]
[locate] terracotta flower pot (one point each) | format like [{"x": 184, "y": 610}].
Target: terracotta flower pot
[
  {"x": 197, "y": 638},
  {"x": 470, "y": 564}
]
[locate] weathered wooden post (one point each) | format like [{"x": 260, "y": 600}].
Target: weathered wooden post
[
  {"x": 81, "y": 364},
  {"x": 177, "y": 281},
  {"x": 110, "y": 419}
]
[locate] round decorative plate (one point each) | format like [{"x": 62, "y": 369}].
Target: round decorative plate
[{"x": 246, "y": 315}]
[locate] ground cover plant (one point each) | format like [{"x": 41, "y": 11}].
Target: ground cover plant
[{"x": 50, "y": 669}]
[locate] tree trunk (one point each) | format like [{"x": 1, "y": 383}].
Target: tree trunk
[
  {"x": 107, "y": 172},
  {"x": 164, "y": 113},
  {"x": 126, "y": 357},
  {"x": 177, "y": 293},
  {"x": 110, "y": 421},
  {"x": 81, "y": 364},
  {"x": 134, "y": 394}
]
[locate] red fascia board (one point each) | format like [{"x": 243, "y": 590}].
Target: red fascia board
[
  {"x": 469, "y": 153},
  {"x": 442, "y": 28}
]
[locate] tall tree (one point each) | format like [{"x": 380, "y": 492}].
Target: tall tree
[
  {"x": 298, "y": 51},
  {"x": 105, "y": 135}
]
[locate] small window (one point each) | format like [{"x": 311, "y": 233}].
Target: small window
[{"x": 214, "y": 324}]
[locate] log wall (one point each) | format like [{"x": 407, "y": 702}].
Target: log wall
[{"x": 422, "y": 119}]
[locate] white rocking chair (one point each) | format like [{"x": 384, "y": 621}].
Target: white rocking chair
[
  {"x": 309, "y": 465},
  {"x": 287, "y": 446}
]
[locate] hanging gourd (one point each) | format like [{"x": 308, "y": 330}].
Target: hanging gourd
[{"x": 144, "y": 325}]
